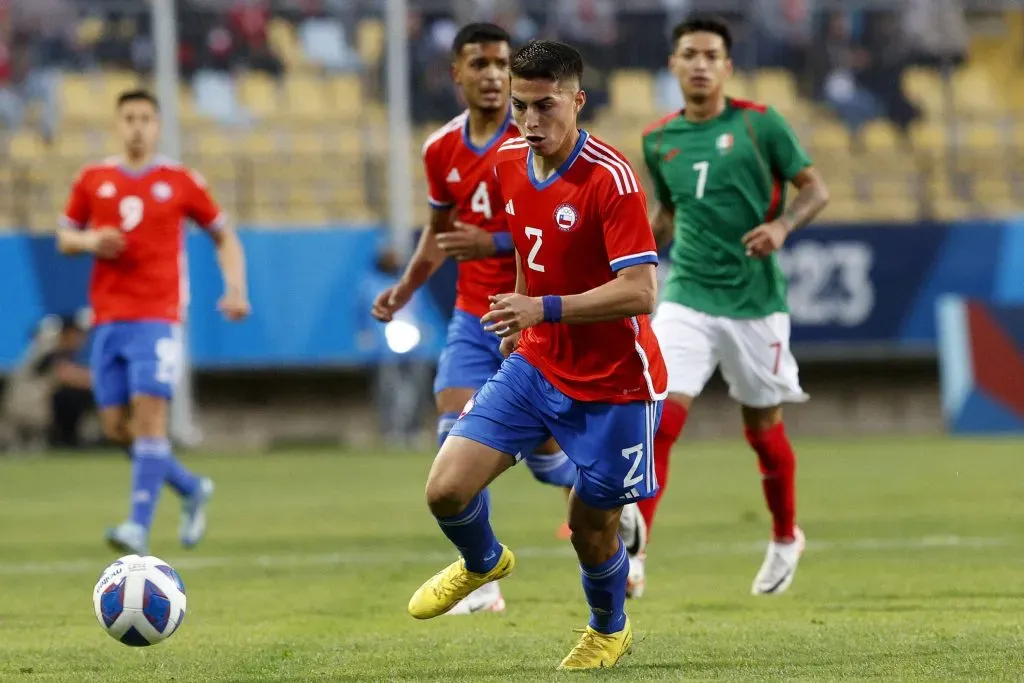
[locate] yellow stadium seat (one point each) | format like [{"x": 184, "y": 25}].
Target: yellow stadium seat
[
  {"x": 370, "y": 41},
  {"x": 260, "y": 142},
  {"x": 115, "y": 83},
  {"x": 632, "y": 93},
  {"x": 881, "y": 136},
  {"x": 741, "y": 87},
  {"x": 925, "y": 87},
  {"x": 82, "y": 98},
  {"x": 259, "y": 94},
  {"x": 285, "y": 43},
  {"x": 829, "y": 136},
  {"x": 304, "y": 97},
  {"x": 975, "y": 92},
  {"x": 982, "y": 136},
  {"x": 776, "y": 87},
  {"x": 74, "y": 146},
  {"x": 345, "y": 96},
  {"x": 213, "y": 143},
  {"x": 930, "y": 136},
  {"x": 952, "y": 209},
  {"x": 25, "y": 145}
]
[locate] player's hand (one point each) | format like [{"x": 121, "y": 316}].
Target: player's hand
[
  {"x": 466, "y": 242},
  {"x": 107, "y": 243},
  {"x": 512, "y": 313},
  {"x": 389, "y": 302},
  {"x": 509, "y": 344},
  {"x": 234, "y": 306},
  {"x": 766, "y": 239}
]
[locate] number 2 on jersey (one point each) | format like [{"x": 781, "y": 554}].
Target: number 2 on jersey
[
  {"x": 531, "y": 259},
  {"x": 130, "y": 209},
  {"x": 480, "y": 202},
  {"x": 701, "y": 167}
]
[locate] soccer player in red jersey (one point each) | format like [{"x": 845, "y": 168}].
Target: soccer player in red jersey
[
  {"x": 584, "y": 365},
  {"x": 467, "y": 223},
  {"x": 129, "y": 213}
]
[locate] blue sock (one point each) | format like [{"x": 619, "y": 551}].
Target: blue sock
[
  {"x": 181, "y": 478},
  {"x": 470, "y": 531},
  {"x": 444, "y": 425},
  {"x": 556, "y": 469},
  {"x": 605, "y": 588},
  {"x": 150, "y": 457}
]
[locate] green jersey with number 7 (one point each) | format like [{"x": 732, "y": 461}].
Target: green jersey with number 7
[{"x": 723, "y": 178}]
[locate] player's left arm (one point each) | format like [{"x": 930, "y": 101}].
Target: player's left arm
[
  {"x": 202, "y": 209},
  {"x": 633, "y": 258},
  {"x": 788, "y": 159}
]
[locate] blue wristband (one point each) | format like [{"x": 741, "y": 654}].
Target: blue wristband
[
  {"x": 552, "y": 309},
  {"x": 503, "y": 242}
]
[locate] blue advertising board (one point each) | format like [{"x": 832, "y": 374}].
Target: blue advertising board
[{"x": 853, "y": 290}]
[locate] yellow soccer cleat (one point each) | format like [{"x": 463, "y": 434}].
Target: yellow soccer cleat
[
  {"x": 598, "y": 650},
  {"x": 446, "y": 588}
]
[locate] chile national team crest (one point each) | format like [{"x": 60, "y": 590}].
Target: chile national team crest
[
  {"x": 566, "y": 217},
  {"x": 161, "y": 191}
]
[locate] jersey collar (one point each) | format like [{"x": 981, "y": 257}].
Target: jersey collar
[
  {"x": 498, "y": 134},
  {"x": 561, "y": 170},
  {"x": 155, "y": 163}
]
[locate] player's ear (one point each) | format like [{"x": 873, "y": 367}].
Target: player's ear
[
  {"x": 728, "y": 67},
  {"x": 580, "y": 100}
]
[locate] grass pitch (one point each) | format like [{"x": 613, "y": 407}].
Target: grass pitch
[{"x": 913, "y": 572}]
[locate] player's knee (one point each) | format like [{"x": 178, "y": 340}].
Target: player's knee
[
  {"x": 446, "y": 495},
  {"x": 149, "y": 416},
  {"x": 116, "y": 427},
  {"x": 761, "y": 419},
  {"x": 681, "y": 399}
]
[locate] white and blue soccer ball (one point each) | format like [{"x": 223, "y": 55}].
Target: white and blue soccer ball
[{"x": 139, "y": 601}]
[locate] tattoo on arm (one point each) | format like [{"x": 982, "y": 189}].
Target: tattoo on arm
[{"x": 811, "y": 198}]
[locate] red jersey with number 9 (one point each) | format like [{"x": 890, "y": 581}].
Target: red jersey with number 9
[
  {"x": 573, "y": 232},
  {"x": 148, "y": 281},
  {"x": 460, "y": 176}
]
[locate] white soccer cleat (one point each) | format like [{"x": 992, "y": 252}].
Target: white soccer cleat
[
  {"x": 487, "y": 598},
  {"x": 636, "y": 580},
  {"x": 193, "y": 514},
  {"x": 779, "y": 566}
]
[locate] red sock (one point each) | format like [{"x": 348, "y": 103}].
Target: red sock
[
  {"x": 778, "y": 471},
  {"x": 673, "y": 417}
]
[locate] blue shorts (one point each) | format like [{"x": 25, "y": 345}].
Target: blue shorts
[
  {"x": 130, "y": 358},
  {"x": 470, "y": 357},
  {"x": 612, "y": 444}
]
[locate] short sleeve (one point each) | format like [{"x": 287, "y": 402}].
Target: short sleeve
[
  {"x": 785, "y": 153},
  {"x": 77, "y": 210},
  {"x": 437, "y": 186},
  {"x": 628, "y": 238},
  {"x": 652, "y": 161},
  {"x": 201, "y": 206}
]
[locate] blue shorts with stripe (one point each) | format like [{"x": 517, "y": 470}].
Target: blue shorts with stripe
[
  {"x": 471, "y": 355},
  {"x": 612, "y": 444},
  {"x": 136, "y": 357}
]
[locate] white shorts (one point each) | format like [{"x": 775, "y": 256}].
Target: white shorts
[{"x": 753, "y": 353}]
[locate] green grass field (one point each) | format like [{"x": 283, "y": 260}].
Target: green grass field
[{"x": 914, "y": 571}]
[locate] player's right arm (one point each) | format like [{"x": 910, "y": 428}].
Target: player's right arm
[
  {"x": 73, "y": 237},
  {"x": 663, "y": 218},
  {"x": 425, "y": 261}
]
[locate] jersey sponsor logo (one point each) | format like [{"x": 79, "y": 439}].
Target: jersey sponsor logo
[
  {"x": 670, "y": 155},
  {"x": 106, "y": 191},
  {"x": 453, "y": 176},
  {"x": 724, "y": 143},
  {"x": 566, "y": 217},
  {"x": 509, "y": 209},
  {"x": 161, "y": 191}
]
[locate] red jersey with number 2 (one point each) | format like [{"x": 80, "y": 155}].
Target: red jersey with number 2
[
  {"x": 460, "y": 176},
  {"x": 150, "y": 205},
  {"x": 573, "y": 232}
]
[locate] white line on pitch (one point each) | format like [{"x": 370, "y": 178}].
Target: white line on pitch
[{"x": 383, "y": 558}]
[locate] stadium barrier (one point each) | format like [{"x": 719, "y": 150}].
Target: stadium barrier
[{"x": 855, "y": 291}]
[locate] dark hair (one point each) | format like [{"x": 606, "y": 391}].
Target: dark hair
[
  {"x": 547, "y": 60},
  {"x": 702, "y": 23},
  {"x": 471, "y": 34},
  {"x": 138, "y": 95}
]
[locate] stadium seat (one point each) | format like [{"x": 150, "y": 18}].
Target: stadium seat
[
  {"x": 828, "y": 136},
  {"x": 776, "y": 87},
  {"x": 926, "y": 89},
  {"x": 929, "y": 136},
  {"x": 370, "y": 41},
  {"x": 25, "y": 145},
  {"x": 75, "y": 146},
  {"x": 82, "y": 98},
  {"x": 632, "y": 93},
  {"x": 345, "y": 97},
  {"x": 259, "y": 94},
  {"x": 983, "y": 136},
  {"x": 285, "y": 43},
  {"x": 976, "y": 93},
  {"x": 881, "y": 136},
  {"x": 305, "y": 97},
  {"x": 741, "y": 87}
]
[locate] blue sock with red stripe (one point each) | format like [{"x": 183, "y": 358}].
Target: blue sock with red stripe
[
  {"x": 470, "y": 531},
  {"x": 605, "y": 588}
]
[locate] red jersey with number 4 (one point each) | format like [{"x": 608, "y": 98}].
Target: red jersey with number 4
[
  {"x": 573, "y": 232},
  {"x": 460, "y": 176},
  {"x": 150, "y": 205}
]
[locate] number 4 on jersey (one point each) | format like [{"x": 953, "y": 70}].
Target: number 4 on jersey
[{"x": 480, "y": 202}]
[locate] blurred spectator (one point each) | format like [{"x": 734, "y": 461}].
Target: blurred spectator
[
  {"x": 936, "y": 31},
  {"x": 835, "y": 66},
  {"x": 248, "y": 20},
  {"x": 591, "y": 27},
  {"x": 782, "y": 38},
  {"x": 886, "y": 45},
  {"x": 431, "y": 89},
  {"x": 48, "y": 395}
]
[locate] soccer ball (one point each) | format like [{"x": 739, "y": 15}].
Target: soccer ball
[{"x": 139, "y": 601}]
